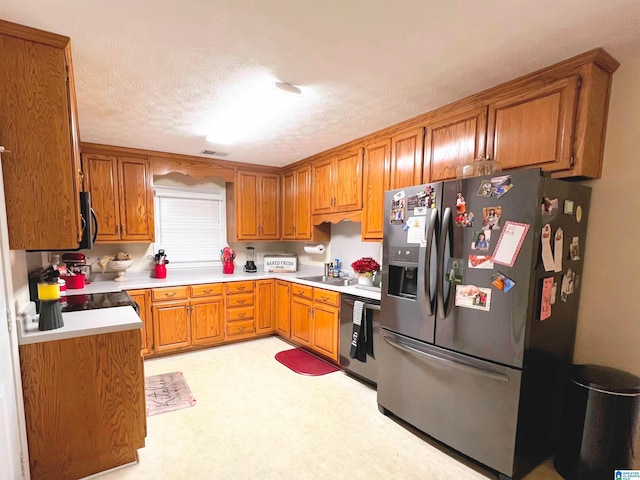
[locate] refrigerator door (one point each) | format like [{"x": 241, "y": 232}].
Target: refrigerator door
[
  {"x": 469, "y": 404},
  {"x": 493, "y": 328},
  {"x": 409, "y": 260}
]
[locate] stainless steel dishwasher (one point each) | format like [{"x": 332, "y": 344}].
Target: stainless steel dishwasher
[{"x": 366, "y": 371}]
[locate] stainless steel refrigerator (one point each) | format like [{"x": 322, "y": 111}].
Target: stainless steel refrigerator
[{"x": 480, "y": 292}]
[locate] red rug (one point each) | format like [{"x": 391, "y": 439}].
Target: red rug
[{"x": 302, "y": 362}]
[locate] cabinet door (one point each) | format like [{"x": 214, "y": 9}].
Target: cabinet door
[
  {"x": 38, "y": 129},
  {"x": 534, "y": 126},
  {"x": 326, "y": 322},
  {"x": 143, "y": 299},
  {"x": 323, "y": 188},
  {"x": 406, "y": 158},
  {"x": 303, "y": 226},
  {"x": 171, "y": 326},
  {"x": 301, "y": 320},
  {"x": 347, "y": 182},
  {"x": 269, "y": 207},
  {"x": 101, "y": 180},
  {"x": 377, "y": 159},
  {"x": 264, "y": 306},
  {"x": 289, "y": 205},
  {"x": 452, "y": 141},
  {"x": 247, "y": 205},
  {"x": 136, "y": 200},
  {"x": 283, "y": 308},
  {"x": 207, "y": 320}
]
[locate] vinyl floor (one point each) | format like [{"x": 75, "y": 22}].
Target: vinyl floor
[{"x": 256, "y": 419}]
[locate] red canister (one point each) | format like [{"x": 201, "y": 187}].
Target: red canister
[{"x": 160, "y": 270}]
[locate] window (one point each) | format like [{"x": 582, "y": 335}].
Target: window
[{"x": 190, "y": 225}]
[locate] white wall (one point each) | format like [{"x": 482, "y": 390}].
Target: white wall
[{"x": 609, "y": 321}]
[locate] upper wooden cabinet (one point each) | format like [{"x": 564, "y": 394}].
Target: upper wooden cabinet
[
  {"x": 337, "y": 183},
  {"x": 39, "y": 130},
  {"x": 377, "y": 157},
  {"x": 535, "y": 126},
  {"x": 122, "y": 197},
  {"x": 406, "y": 158},
  {"x": 453, "y": 139},
  {"x": 296, "y": 207},
  {"x": 257, "y": 205}
]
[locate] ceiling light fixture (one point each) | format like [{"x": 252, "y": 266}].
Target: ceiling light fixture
[{"x": 287, "y": 88}]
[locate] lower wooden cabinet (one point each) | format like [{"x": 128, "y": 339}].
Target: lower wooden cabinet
[
  {"x": 283, "y": 308},
  {"x": 207, "y": 318},
  {"x": 143, "y": 299},
  {"x": 84, "y": 404},
  {"x": 265, "y": 311},
  {"x": 171, "y": 326},
  {"x": 240, "y": 310}
]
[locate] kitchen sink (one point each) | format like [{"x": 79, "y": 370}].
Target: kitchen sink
[{"x": 340, "y": 282}]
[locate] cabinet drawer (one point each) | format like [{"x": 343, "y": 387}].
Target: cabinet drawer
[
  {"x": 304, "y": 291},
  {"x": 240, "y": 313},
  {"x": 239, "y": 287},
  {"x": 169, "y": 293},
  {"x": 206, "y": 289},
  {"x": 241, "y": 327},
  {"x": 240, "y": 300},
  {"x": 326, "y": 296}
]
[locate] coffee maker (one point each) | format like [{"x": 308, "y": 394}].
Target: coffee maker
[{"x": 250, "y": 265}]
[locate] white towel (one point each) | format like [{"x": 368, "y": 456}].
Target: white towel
[{"x": 358, "y": 347}]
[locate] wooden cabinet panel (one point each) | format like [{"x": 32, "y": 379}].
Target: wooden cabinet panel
[
  {"x": 257, "y": 206},
  {"x": 326, "y": 296},
  {"x": 84, "y": 404},
  {"x": 240, "y": 329},
  {"x": 283, "y": 308},
  {"x": 240, "y": 313},
  {"x": 265, "y": 309},
  {"x": 239, "y": 287},
  {"x": 535, "y": 126},
  {"x": 301, "y": 320},
  {"x": 122, "y": 197},
  {"x": 38, "y": 125},
  {"x": 406, "y": 158},
  {"x": 303, "y": 230},
  {"x": 323, "y": 188},
  {"x": 136, "y": 200},
  {"x": 289, "y": 205},
  {"x": 172, "y": 328},
  {"x": 377, "y": 161},
  {"x": 143, "y": 299},
  {"x": 206, "y": 289},
  {"x": 326, "y": 322},
  {"x": 348, "y": 182},
  {"x": 169, "y": 293},
  {"x": 300, "y": 290},
  {"x": 240, "y": 300},
  {"x": 453, "y": 140},
  {"x": 207, "y": 321}
]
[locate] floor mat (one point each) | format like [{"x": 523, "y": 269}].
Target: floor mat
[
  {"x": 302, "y": 362},
  {"x": 166, "y": 393}
]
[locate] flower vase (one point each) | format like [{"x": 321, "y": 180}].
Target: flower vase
[{"x": 365, "y": 280}]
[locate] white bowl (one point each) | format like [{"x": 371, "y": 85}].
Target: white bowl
[{"x": 120, "y": 266}]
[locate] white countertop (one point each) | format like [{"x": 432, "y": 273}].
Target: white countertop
[
  {"x": 77, "y": 324},
  {"x": 107, "y": 320}
]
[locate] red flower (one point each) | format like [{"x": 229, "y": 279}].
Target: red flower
[{"x": 365, "y": 265}]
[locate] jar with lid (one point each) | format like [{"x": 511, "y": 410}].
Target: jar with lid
[{"x": 479, "y": 167}]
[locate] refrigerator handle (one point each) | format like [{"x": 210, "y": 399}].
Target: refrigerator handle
[
  {"x": 461, "y": 366},
  {"x": 446, "y": 234},
  {"x": 431, "y": 231}
]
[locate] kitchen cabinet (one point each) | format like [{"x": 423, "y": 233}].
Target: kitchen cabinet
[
  {"x": 406, "y": 158},
  {"x": 296, "y": 207},
  {"x": 265, "y": 309},
  {"x": 326, "y": 322},
  {"x": 207, "y": 314},
  {"x": 171, "y": 325},
  {"x": 240, "y": 310},
  {"x": 301, "y": 308},
  {"x": 315, "y": 319},
  {"x": 121, "y": 195},
  {"x": 534, "y": 126},
  {"x": 143, "y": 299},
  {"x": 39, "y": 130},
  {"x": 84, "y": 404},
  {"x": 337, "y": 183},
  {"x": 283, "y": 308},
  {"x": 453, "y": 139},
  {"x": 257, "y": 205},
  {"x": 377, "y": 158}
]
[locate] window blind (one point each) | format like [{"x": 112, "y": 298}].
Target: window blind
[{"x": 190, "y": 225}]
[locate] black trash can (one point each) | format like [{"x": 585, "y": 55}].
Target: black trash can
[{"x": 599, "y": 427}]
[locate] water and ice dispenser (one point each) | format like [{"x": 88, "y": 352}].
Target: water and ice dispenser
[{"x": 403, "y": 271}]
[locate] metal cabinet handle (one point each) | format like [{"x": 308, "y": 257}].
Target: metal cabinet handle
[
  {"x": 241, "y": 302},
  {"x": 242, "y": 315},
  {"x": 207, "y": 291},
  {"x": 169, "y": 294}
]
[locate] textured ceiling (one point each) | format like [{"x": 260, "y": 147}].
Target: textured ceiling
[{"x": 161, "y": 74}]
